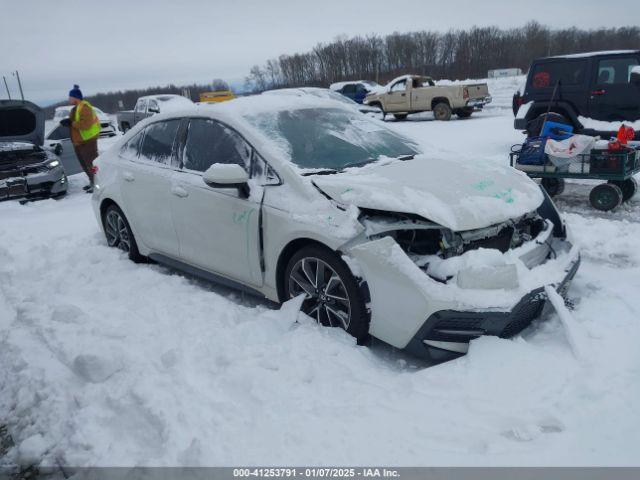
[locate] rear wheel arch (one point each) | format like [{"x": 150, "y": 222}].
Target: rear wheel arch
[
  {"x": 437, "y": 100},
  {"x": 562, "y": 108},
  {"x": 106, "y": 203}
]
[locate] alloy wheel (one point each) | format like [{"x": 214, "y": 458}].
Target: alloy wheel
[
  {"x": 326, "y": 297},
  {"x": 116, "y": 231}
]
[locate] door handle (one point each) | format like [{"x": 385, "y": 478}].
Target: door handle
[
  {"x": 128, "y": 176},
  {"x": 179, "y": 192},
  {"x": 403, "y": 94}
]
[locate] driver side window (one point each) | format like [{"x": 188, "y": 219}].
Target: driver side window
[
  {"x": 210, "y": 142},
  {"x": 400, "y": 86}
]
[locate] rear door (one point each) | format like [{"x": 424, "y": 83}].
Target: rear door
[
  {"x": 571, "y": 76},
  {"x": 613, "y": 96},
  {"x": 217, "y": 227},
  {"x": 147, "y": 169},
  {"x": 398, "y": 98}
]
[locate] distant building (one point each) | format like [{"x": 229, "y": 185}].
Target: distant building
[{"x": 504, "y": 72}]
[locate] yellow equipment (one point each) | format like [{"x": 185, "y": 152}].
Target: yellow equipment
[{"x": 217, "y": 96}]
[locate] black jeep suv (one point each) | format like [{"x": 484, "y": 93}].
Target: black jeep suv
[{"x": 600, "y": 86}]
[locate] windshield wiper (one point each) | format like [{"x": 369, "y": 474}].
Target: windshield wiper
[
  {"x": 325, "y": 171},
  {"x": 406, "y": 157},
  {"x": 357, "y": 164}
]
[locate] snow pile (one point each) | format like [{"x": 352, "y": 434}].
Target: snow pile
[{"x": 604, "y": 126}]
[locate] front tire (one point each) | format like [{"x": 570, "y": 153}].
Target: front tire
[
  {"x": 119, "y": 234},
  {"x": 333, "y": 296},
  {"x": 442, "y": 112}
]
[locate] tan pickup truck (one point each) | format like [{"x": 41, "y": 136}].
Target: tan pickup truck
[{"x": 414, "y": 93}]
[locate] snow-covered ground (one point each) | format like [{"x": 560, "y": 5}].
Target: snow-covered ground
[{"x": 104, "y": 362}]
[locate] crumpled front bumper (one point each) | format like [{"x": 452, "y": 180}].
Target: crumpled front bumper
[{"x": 436, "y": 321}]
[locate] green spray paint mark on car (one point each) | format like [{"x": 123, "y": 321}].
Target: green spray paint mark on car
[
  {"x": 241, "y": 217},
  {"x": 506, "y": 195},
  {"x": 482, "y": 185}
]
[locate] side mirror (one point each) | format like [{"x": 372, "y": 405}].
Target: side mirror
[
  {"x": 153, "y": 110},
  {"x": 226, "y": 175}
]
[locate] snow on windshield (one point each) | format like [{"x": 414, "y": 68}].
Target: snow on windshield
[{"x": 330, "y": 138}]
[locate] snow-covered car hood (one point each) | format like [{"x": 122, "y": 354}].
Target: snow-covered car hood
[
  {"x": 21, "y": 121},
  {"x": 454, "y": 194}
]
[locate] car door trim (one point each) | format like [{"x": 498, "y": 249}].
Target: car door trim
[{"x": 203, "y": 274}]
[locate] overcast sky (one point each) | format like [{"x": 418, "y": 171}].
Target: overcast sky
[{"x": 119, "y": 44}]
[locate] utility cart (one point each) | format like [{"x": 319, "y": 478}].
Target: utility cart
[{"x": 616, "y": 167}]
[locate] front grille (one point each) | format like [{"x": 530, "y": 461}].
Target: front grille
[
  {"x": 457, "y": 329},
  {"x": 4, "y": 174}
]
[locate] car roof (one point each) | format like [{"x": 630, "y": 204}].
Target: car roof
[{"x": 588, "y": 55}]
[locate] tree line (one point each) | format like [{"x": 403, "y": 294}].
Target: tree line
[{"x": 456, "y": 54}]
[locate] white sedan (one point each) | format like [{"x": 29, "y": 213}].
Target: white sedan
[{"x": 301, "y": 197}]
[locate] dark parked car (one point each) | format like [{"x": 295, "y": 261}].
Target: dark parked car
[
  {"x": 27, "y": 170},
  {"x": 600, "y": 85},
  {"x": 356, "y": 90}
]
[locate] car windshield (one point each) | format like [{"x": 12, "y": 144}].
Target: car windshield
[{"x": 331, "y": 138}]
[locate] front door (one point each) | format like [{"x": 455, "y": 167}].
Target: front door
[
  {"x": 613, "y": 96},
  {"x": 146, "y": 186},
  {"x": 217, "y": 227},
  {"x": 398, "y": 98}
]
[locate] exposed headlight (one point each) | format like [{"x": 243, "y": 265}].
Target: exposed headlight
[{"x": 53, "y": 164}]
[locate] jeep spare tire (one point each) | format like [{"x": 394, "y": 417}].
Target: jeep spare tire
[{"x": 534, "y": 127}]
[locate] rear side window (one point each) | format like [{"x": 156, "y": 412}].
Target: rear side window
[
  {"x": 131, "y": 149},
  {"x": 349, "y": 89},
  {"x": 546, "y": 75},
  {"x": 157, "y": 144},
  {"x": 615, "y": 70},
  {"x": 210, "y": 142},
  {"x": 140, "y": 106}
]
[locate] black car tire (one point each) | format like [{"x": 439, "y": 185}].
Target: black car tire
[
  {"x": 119, "y": 234},
  {"x": 605, "y": 197},
  {"x": 442, "y": 112},
  {"x": 629, "y": 187},
  {"x": 322, "y": 294},
  {"x": 553, "y": 186}
]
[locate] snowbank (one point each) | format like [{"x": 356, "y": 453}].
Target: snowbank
[{"x": 603, "y": 126}]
